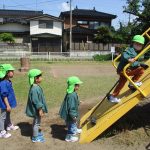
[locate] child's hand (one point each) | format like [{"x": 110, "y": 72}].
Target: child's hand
[
  {"x": 8, "y": 108},
  {"x": 41, "y": 113},
  {"x": 131, "y": 60},
  {"x": 81, "y": 102},
  {"x": 75, "y": 119}
]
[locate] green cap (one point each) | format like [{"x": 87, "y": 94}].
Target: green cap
[
  {"x": 4, "y": 68},
  {"x": 139, "y": 39},
  {"x": 72, "y": 81},
  {"x": 32, "y": 74},
  {"x": 2, "y": 72}
]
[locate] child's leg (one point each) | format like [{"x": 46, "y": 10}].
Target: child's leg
[
  {"x": 2, "y": 120},
  {"x": 136, "y": 73},
  {"x": 122, "y": 81},
  {"x": 8, "y": 121},
  {"x": 36, "y": 126},
  {"x": 72, "y": 129},
  {"x": 8, "y": 124},
  {"x": 3, "y": 133}
]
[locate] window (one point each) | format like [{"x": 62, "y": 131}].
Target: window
[
  {"x": 94, "y": 24},
  {"x": 82, "y": 22},
  {"x": 104, "y": 24},
  {"x": 46, "y": 24}
]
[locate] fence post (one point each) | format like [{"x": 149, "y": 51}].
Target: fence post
[{"x": 49, "y": 53}]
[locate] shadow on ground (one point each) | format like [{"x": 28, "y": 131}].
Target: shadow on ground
[
  {"x": 26, "y": 128},
  {"x": 58, "y": 131}
]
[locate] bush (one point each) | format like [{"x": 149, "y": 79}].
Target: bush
[
  {"x": 119, "y": 49},
  {"x": 7, "y": 37},
  {"x": 102, "y": 57}
]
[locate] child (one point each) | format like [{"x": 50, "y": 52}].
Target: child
[
  {"x": 7, "y": 100},
  {"x": 36, "y": 105},
  {"x": 136, "y": 70},
  {"x": 69, "y": 109}
]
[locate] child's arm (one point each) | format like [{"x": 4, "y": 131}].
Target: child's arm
[
  {"x": 36, "y": 100},
  {"x": 8, "y": 108},
  {"x": 72, "y": 109}
]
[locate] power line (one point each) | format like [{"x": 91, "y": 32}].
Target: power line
[{"x": 31, "y": 4}]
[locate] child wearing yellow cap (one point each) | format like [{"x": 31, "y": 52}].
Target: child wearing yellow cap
[
  {"x": 7, "y": 100},
  {"x": 69, "y": 109},
  {"x": 36, "y": 105}
]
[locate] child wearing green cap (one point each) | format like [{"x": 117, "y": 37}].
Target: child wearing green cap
[
  {"x": 69, "y": 109},
  {"x": 7, "y": 100},
  {"x": 136, "y": 70},
  {"x": 36, "y": 105}
]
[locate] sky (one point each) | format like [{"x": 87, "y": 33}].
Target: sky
[{"x": 54, "y": 7}]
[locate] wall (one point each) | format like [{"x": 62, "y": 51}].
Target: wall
[
  {"x": 14, "y": 47},
  {"x": 77, "y": 47},
  {"x": 34, "y": 28},
  {"x": 14, "y": 27}
]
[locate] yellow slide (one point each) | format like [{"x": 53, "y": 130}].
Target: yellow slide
[{"x": 106, "y": 113}]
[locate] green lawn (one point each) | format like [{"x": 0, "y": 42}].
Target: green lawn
[{"x": 54, "y": 88}]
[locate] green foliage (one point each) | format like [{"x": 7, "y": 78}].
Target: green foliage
[
  {"x": 140, "y": 9},
  {"x": 119, "y": 49},
  {"x": 104, "y": 35},
  {"x": 7, "y": 37},
  {"x": 102, "y": 57}
]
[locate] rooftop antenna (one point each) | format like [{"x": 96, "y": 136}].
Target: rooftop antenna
[{"x": 3, "y": 4}]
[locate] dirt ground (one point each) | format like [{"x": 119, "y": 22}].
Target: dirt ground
[
  {"x": 81, "y": 70},
  {"x": 131, "y": 132}
]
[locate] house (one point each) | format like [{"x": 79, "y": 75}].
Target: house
[
  {"x": 46, "y": 33},
  {"x": 84, "y": 24},
  {"x": 42, "y": 31}
]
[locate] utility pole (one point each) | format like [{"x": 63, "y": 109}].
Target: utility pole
[
  {"x": 36, "y": 5},
  {"x": 70, "y": 25},
  {"x": 3, "y": 4}
]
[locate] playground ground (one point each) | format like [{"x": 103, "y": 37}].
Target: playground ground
[{"x": 132, "y": 132}]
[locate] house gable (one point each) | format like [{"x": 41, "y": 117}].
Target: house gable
[{"x": 45, "y": 24}]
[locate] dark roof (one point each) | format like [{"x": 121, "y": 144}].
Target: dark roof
[
  {"x": 80, "y": 30},
  {"x": 89, "y": 13},
  {"x": 19, "y": 13},
  {"x": 45, "y": 35},
  {"x": 45, "y": 15}
]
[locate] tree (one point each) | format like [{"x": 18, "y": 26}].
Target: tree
[
  {"x": 104, "y": 35},
  {"x": 141, "y": 10},
  {"x": 7, "y": 37}
]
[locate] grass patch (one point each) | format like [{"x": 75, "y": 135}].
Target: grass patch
[{"x": 55, "y": 88}]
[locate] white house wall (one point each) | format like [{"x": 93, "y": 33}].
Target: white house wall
[
  {"x": 34, "y": 28},
  {"x": 14, "y": 27}
]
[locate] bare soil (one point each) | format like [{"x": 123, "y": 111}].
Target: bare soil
[{"x": 131, "y": 132}]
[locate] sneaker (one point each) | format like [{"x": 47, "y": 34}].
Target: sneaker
[
  {"x": 4, "y": 134},
  {"x": 136, "y": 83},
  {"x": 113, "y": 99},
  {"x": 40, "y": 134},
  {"x": 12, "y": 127},
  {"x": 79, "y": 131},
  {"x": 38, "y": 139},
  {"x": 71, "y": 138}
]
